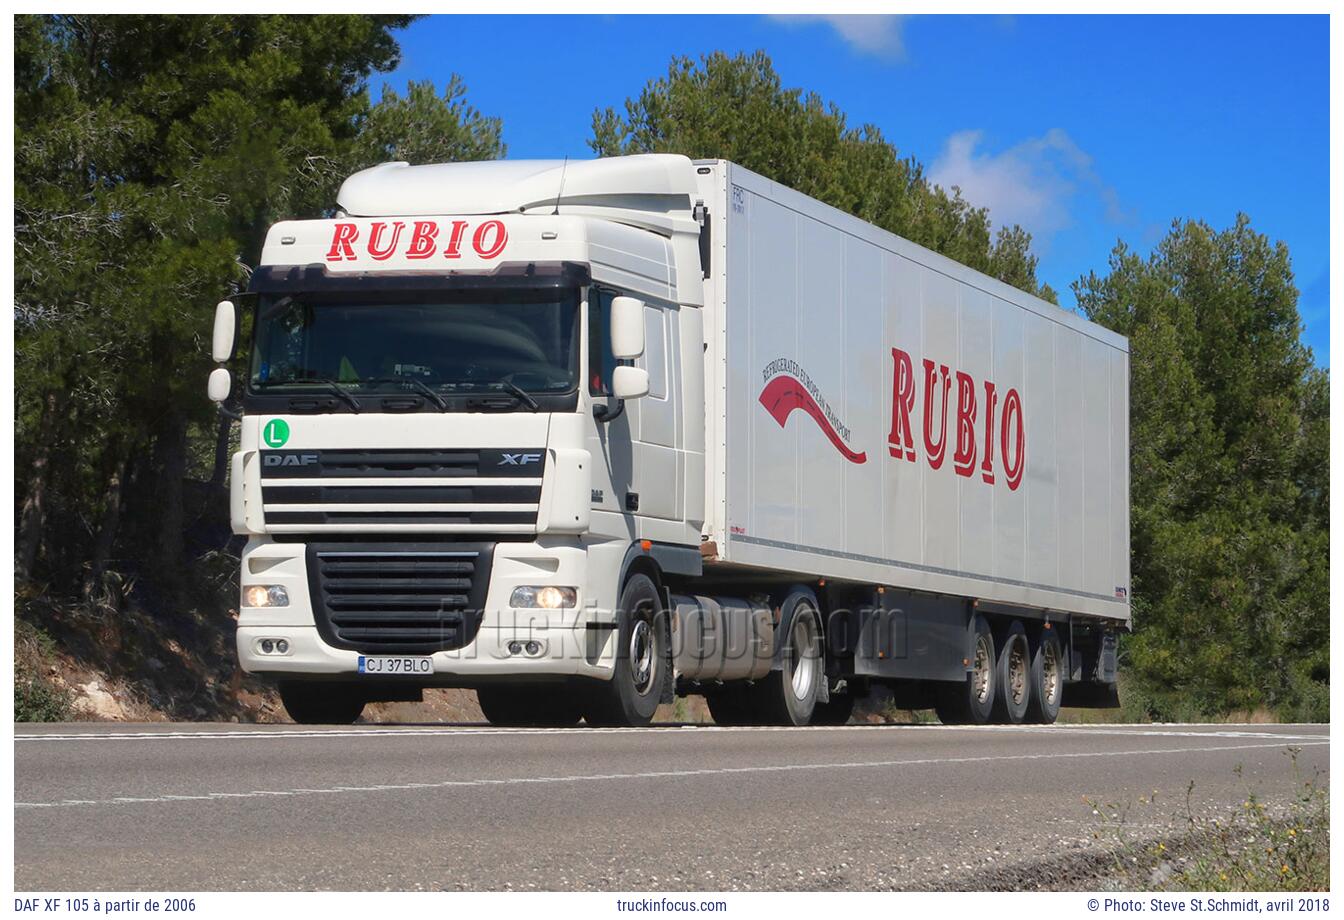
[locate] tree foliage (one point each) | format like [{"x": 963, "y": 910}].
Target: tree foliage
[
  {"x": 151, "y": 154},
  {"x": 737, "y": 108},
  {"x": 1230, "y": 465}
]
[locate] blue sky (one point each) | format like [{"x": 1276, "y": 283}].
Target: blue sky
[{"x": 1084, "y": 129}]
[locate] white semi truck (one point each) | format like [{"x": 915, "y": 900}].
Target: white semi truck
[{"x": 584, "y": 436}]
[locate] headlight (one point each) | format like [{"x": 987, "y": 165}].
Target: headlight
[
  {"x": 265, "y": 596},
  {"x": 547, "y": 597}
]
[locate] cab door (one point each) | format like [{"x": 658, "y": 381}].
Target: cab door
[{"x": 640, "y": 466}]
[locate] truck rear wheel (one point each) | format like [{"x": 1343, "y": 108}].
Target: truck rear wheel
[
  {"x": 529, "y": 706},
  {"x": 319, "y": 703},
  {"x": 971, "y": 701},
  {"x": 789, "y": 696},
  {"x": 1013, "y": 693},
  {"x": 643, "y": 664},
  {"x": 1047, "y": 680}
]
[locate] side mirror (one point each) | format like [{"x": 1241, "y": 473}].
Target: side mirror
[
  {"x": 629, "y": 382},
  {"x": 226, "y": 327},
  {"x": 220, "y": 385},
  {"x": 627, "y": 328}
]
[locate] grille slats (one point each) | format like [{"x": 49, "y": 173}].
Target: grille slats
[
  {"x": 489, "y": 490},
  {"x": 398, "y": 598}
]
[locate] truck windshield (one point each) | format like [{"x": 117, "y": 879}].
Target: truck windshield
[{"x": 475, "y": 342}]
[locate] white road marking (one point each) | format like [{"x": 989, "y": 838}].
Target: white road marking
[
  {"x": 280, "y": 733},
  {"x": 663, "y": 774}
]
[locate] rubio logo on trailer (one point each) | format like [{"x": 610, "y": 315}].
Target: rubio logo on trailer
[
  {"x": 788, "y": 387},
  {"x": 988, "y": 432},
  {"x": 416, "y": 240}
]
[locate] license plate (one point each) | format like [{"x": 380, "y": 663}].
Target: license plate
[{"x": 389, "y": 665}]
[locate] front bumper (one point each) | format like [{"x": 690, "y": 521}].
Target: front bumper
[{"x": 576, "y": 642}]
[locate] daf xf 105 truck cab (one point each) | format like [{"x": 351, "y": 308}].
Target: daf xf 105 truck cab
[{"x": 584, "y": 436}]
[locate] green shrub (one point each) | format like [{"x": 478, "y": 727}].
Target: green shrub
[{"x": 37, "y": 700}]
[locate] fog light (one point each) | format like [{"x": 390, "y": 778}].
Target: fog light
[
  {"x": 282, "y": 646},
  {"x": 267, "y": 646},
  {"x": 533, "y": 647},
  {"x": 265, "y": 596},
  {"x": 546, "y": 597},
  {"x": 515, "y": 647}
]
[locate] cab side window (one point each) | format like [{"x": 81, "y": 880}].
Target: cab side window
[{"x": 600, "y": 359}]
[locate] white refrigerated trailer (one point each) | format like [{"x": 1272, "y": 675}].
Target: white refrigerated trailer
[{"x": 584, "y": 436}]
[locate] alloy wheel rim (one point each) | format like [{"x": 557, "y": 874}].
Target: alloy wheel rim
[
  {"x": 642, "y": 659},
  {"x": 1050, "y": 673},
  {"x": 804, "y": 661},
  {"x": 1017, "y": 672},
  {"x": 980, "y": 674}
]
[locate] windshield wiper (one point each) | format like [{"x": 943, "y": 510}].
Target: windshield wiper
[
  {"x": 524, "y": 396},
  {"x": 346, "y": 396},
  {"x": 418, "y": 385}
]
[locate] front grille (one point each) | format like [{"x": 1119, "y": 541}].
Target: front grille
[
  {"x": 401, "y": 598},
  {"x": 487, "y": 490}
]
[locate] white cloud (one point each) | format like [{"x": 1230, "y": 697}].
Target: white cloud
[
  {"x": 1034, "y": 183},
  {"x": 878, "y": 35}
]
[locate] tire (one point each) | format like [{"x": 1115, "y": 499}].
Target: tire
[
  {"x": 643, "y": 673},
  {"x": 1047, "y": 680},
  {"x": 1012, "y": 694},
  {"x": 551, "y": 707},
  {"x": 970, "y": 701},
  {"x": 319, "y": 703},
  {"x": 729, "y": 706},
  {"x": 834, "y": 712},
  {"x": 788, "y": 696}
]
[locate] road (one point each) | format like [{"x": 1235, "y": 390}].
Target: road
[{"x": 225, "y": 807}]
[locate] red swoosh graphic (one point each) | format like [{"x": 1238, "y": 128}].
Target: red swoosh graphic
[{"x": 784, "y": 393}]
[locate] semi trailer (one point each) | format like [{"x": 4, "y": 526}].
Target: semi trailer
[{"x": 585, "y": 436}]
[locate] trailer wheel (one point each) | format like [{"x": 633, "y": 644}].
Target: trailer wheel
[
  {"x": 836, "y": 711},
  {"x": 643, "y": 664},
  {"x": 529, "y": 706},
  {"x": 789, "y": 696},
  {"x": 971, "y": 701},
  {"x": 1047, "y": 680},
  {"x": 319, "y": 703},
  {"x": 1014, "y": 676}
]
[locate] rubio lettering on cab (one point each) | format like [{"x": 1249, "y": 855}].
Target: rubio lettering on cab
[{"x": 421, "y": 240}]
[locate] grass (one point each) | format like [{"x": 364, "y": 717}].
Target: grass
[
  {"x": 36, "y": 699},
  {"x": 1257, "y": 846}
]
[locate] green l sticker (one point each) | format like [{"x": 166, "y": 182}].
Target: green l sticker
[{"x": 275, "y": 432}]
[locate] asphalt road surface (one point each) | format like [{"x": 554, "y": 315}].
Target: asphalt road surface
[{"x": 228, "y": 807}]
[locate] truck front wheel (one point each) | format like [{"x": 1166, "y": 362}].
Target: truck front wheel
[
  {"x": 318, "y": 703},
  {"x": 643, "y": 671}
]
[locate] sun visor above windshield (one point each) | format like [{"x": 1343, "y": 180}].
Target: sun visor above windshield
[{"x": 272, "y": 279}]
